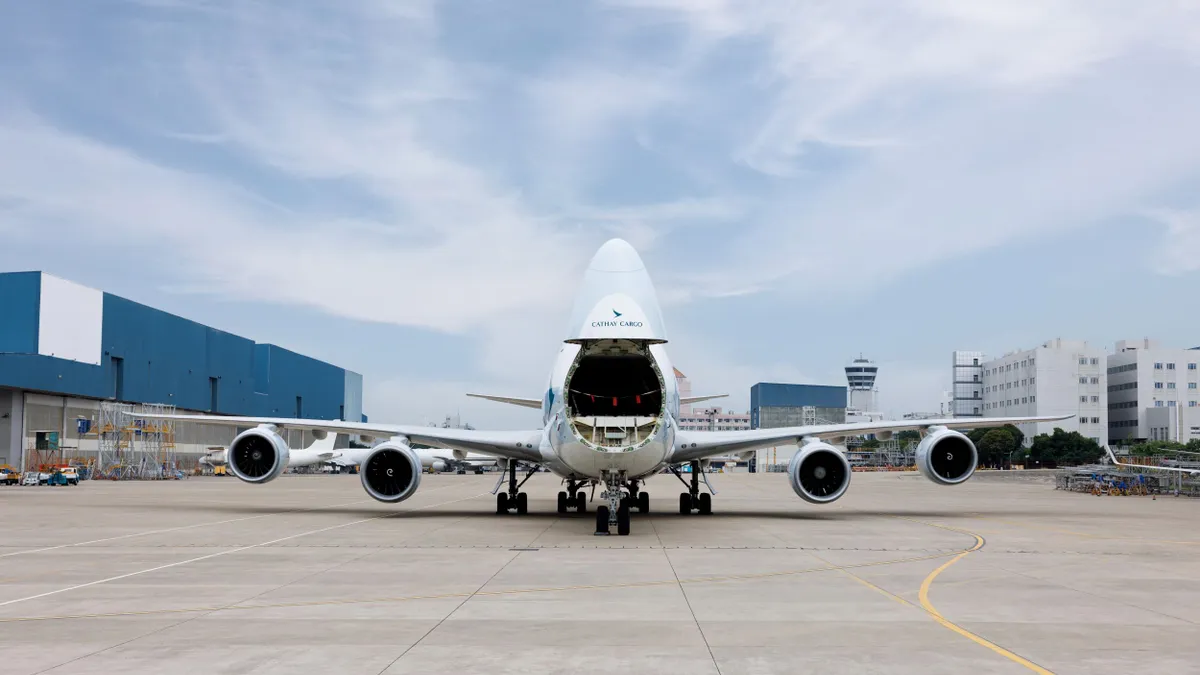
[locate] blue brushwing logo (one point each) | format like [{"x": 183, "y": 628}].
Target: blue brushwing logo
[{"x": 616, "y": 314}]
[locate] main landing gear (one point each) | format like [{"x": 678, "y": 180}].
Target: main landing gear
[
  {"x": 623, "y": 496},
  {"x": 513, "y": 499},
  {"x": 573, "y": 497},
  {"x": 693, "y": 499}
]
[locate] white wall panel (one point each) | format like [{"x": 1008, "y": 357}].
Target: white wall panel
[{"x": 70, "y": 321}]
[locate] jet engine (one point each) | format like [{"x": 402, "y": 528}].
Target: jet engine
[
  {"x": 819, "y": 473},
  {"x": 258, "y": 455},
  {"x": 392, "y": 472},
  {"x": 946, "y": 457},
  {"x": 438, "y": 466}
]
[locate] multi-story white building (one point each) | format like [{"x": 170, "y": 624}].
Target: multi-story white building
[
  {"x": 1153, "y": 392},
  {"x": 967, "y": 383},
  {"x": 713, "y": 419},
  {"x": 1061, "y": 377}
]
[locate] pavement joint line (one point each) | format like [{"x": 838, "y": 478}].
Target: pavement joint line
[
  {"x": 517, "y": 591},
  {"x": 177, "y": 529},
  {"x": 1088, "y": 535},
  {"x": 226, "y": 552}
]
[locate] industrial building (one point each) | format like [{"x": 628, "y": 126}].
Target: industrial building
[
  {"x": 1153, "y": 393},
  {"x": 1059, "y": 377},
  {"x": 774, "y": 405},
  {"x": 73, "y": 358}
]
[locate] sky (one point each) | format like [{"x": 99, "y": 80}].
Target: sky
[{"x": 412, "y": 190}]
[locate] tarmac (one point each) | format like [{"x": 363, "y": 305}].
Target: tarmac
[{"x": 309, "y": 575}]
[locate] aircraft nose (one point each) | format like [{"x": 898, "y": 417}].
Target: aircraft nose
[{"x": 616, "y": 255}]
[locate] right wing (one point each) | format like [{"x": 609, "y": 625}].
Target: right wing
[
  {"x": 1194, "y": 473},
  {"x": 522, "y": 445}
]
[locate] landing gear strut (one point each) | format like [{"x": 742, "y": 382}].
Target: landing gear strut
[
  {"x": 693, "y": 499},
  {"x": 573, "y": 497},
  {"x": 616, "y": 512},
  {"x": 513, "y": 499}
]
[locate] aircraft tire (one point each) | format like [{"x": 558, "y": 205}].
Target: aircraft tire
[
  {"x": 562, "y": 502},
  {"x": 705, "y": 506},
  {"x": 601, "y": 520},
  {"x": 623, "y": 521},
  {"x": 643, "y": 502},
  {"x": 685, "y": 503},
  {"x": 581, "y": 502},
  {"x": 502, "y": 502},
  {"x": 522, "y": 503}
]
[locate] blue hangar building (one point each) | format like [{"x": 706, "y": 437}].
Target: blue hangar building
[
  {"x": 66, "y": 348},
  {"x": 774, "y": 405}
]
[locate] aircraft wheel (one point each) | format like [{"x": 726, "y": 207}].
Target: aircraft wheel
[
  {"x": 522, "y": 503},
  {"x": 601, "y": 520},
  {"x": 502, "y": 502},
  {"x": 562, "y": 502},
  {"x": 623, "y": 521},
  {"x": 644, "y": 502},
  {"x": 685, "y": 503},
  {"x": 705, "y": 504},
  {"x": 581, "y": 502}
]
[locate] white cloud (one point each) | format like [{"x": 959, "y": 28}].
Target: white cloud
[
  {"x": 346, "y": 157},
  {"x": 1180, "y": 250}
]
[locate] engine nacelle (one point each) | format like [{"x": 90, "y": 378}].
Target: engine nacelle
[
  {"x": 819, "y": 473},
  {"x": 947, "y": 457},
  {"x": 438, "y": 466},
  {"x": 258, "y": 455},
  {"x": 391, "y": 472}
]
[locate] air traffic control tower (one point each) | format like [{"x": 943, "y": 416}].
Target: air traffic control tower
[{"x": 860, "y": 380}]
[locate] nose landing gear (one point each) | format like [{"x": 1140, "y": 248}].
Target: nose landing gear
[{"x": 622, "y": 495}]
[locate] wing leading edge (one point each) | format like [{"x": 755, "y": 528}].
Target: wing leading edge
[
  {"x": 693, "y": 445},
  {"x": 523, "y": 445}
]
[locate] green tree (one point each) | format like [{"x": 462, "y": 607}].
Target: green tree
[
  {"x": 976, "y": 435},
  {"x": 995, "y": 446},
  {"x": 909, "y": 436},
  {"x": 1150, "y": 448},
  {"x": 1066, "y": 448},
  {"x": 870, "y": 444},
  {"x": 1017, "y": 434}
]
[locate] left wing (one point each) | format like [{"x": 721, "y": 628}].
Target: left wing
[
  {"x": 693, "y": 445},
  {"x": 523, "y": 445}
]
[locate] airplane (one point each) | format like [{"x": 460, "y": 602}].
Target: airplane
[
  {"x": 1192, "y": 473},
  {"x": 610, "y": 418}
]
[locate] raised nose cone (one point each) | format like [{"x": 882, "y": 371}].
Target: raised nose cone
[{"x": 616, "y": 255}]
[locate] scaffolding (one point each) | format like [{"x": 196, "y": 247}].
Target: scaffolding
[{"x": 132, "y": 447}]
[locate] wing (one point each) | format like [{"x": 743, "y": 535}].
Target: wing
[
  {"x": 523, "y": 445},
  {"x": 692, "y": 445},
  {"x": 688, "y": 400},
  {"x": 1140, "y": 467},
  {"x": 511, "y": 400}
]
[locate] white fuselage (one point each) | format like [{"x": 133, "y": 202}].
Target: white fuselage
[{"x": 616, "y": 306}]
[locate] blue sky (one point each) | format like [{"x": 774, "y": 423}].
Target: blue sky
[{"x": 412, "y": 190}]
